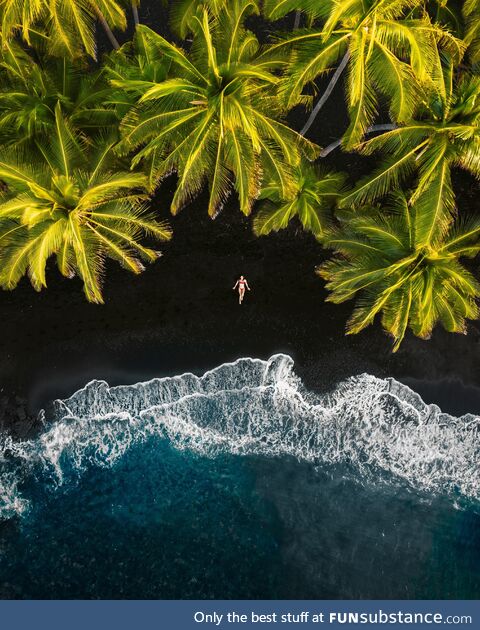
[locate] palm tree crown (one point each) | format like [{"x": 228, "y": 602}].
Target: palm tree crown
[
  {"x": 312, "y": 199},
  {"x": 68, "y": 26},
  {"x": 444, "y": 134},
  {"x": 217, "y": 118},
  {"x": 387, "y": 48},
  {"x": 75, "y": 206},
  {"x": 31, "y": 90},
  {"x": 383, "y": 260}
]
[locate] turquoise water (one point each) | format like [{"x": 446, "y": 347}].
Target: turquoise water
[{"x": 241, "y": 484}]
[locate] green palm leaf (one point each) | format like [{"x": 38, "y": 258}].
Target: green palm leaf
[
  {"x": 444, "y": 133},
  {"x": 312, "y": 199},
  {"x": 76, "y": 206},
  {"x": 403, "y": 263},
  {"x": 67, "y": 26},
  {"x": 216, "y": 120}
]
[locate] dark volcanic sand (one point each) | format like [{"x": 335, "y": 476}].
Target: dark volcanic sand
[{"x": 181, "y": 313}]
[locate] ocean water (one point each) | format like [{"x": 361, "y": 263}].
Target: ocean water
[{"x": 242, "y": 484}]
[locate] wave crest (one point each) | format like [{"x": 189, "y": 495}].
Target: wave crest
[{"x": 379, "y": 428}]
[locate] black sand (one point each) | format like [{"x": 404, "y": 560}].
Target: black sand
[{"x": 181, "y": 314}]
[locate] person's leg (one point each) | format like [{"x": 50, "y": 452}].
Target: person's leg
[{"x": 241, "y": 293}]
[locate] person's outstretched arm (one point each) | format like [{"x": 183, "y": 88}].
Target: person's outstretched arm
[
  {"x": 236, "y": 284},
  {"x": 246, "y": 284}
]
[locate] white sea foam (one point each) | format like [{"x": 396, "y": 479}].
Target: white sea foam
[{"x": 379, "y": 428}]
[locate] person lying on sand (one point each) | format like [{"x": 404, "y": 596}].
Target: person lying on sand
[{"x": 241, "y": 283}]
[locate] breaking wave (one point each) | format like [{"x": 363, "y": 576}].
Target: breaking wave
[{"x": 378, "y": 429}]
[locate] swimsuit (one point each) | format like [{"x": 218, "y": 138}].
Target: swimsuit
[{"x": 241, "y": 285}]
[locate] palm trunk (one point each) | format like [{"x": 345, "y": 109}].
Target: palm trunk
[
  {"x": 337, "y": 143},
  {"x": 136, "y": 18},
  {"x": 106, "y": 27},
  {"x": 326, "y": 94},
  {"x": 296, "y": 24}
]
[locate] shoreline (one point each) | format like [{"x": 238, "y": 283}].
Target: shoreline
[{"x": 182, "y": 315}]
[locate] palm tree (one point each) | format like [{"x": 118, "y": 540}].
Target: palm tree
[
  {"x": 67, "y": 26},
  {"x": 76, "y": 205},
  {"x": 386, "y": 49},
  {"x": 445, "y": 133},
  {"x": 217, "y": 119},
  {"x": 314, "y": 195},
  {"x": 383, "y": 260},
  {"x": 30, "y": 91},
  {"x": 133, "y": 69}
]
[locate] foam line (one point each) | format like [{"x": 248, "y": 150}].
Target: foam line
[{"x": 378, "y": 428}]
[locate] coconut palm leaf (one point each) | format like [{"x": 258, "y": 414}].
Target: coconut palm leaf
[
  {"x": 183, "y": 13},
  {"x": 388, "y": 51},
  {"x": 65, "y": 27},
  {"x": 398, "y": 263},
  {"x": 276, "y": 9},
  {"x": 314, "y": 196},
  {"x": 216, "y": 120},
  {"x": 471, "y": 15},
  {"x": 74, "y": 204}
]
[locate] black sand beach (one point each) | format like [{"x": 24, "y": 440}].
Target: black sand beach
[
  {"x": 182, "y": 312},
  {"x": 242, "y": 485}
]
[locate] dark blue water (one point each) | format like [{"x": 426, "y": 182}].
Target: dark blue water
[
  {"x": 170, "y": 524},
  {"x": 161, "y": 524},
  {"x": 161, "y": 520}
]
